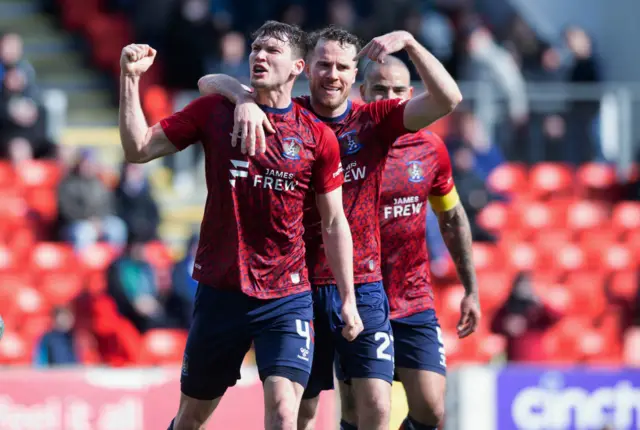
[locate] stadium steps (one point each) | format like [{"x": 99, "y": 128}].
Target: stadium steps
[{"x": 59, "y": 63}]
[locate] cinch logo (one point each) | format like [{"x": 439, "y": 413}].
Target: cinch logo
[
  {"x": 238, "y": 164},
  {"x": 349, "y": 141},
  {"x": 555, "y": 406},
  {"x": 292, "y": 146}
]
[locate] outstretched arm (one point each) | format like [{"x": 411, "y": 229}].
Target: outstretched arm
[
  {"x": 140, "y": 142},
  {"x": 225, "y": 85}
]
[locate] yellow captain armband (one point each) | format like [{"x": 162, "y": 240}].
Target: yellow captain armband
[{"x": 446, "y": 202}]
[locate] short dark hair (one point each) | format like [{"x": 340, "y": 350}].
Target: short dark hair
[
  {"x": 334, "y": 34},
  {"x": 291, "y": 34}
]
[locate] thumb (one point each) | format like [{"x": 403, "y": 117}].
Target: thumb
[
  {"x": 464, "y": 319},
  {"x": 268, "y": 126}
]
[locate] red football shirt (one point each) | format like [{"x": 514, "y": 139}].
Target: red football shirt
[
  {"x": 365, "y": 133},
  {"x": 251, "y": 233},
  {"x": 418, "y": 168}
]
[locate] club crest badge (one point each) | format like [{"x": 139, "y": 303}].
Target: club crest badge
[
  {"x": 349, "y": 142},
  {"x": 291, "y": 148},
  {"x": 415, "y": 171}
]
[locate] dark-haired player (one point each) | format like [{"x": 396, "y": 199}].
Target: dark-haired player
[
  {"x": 253, "y": 280},
  {"x": 418, "y": 170},
  {"x": 365, "y": 132}
]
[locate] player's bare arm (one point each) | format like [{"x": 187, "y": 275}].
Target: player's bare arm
[
  {"x": 338, "y": 246},
  {"x": 442, "y": 93},
  {"x": 140, "y": 142},
  {"x": 456, "y": 232},
  {"x": 250, "y": 121}
]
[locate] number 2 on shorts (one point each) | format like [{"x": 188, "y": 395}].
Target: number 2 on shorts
[
  {"x": 443, "y": 358},
  {"x": 386, "y": 339}
]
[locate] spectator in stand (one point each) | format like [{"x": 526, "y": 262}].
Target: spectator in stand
[
  {"x": 132, "y": 283},
  {"x": 11, "y": 57},
  {"x": 233, "y": 59},
  {"x": 183, "y": 290},
  {"x": 58, "y": 346},
  {"x": 524, "y": 319},
  {"x": 135, "y": 204},
  {"x": 86, "y": 206}
]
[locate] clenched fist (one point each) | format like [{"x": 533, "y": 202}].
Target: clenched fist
[{"x": 136, "y": 59}]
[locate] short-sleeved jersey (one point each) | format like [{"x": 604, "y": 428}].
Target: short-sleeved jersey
[
  {"x": 365, "y": 133},
  {"x": 418, "y": 169},
  {"x": 251, "y": 232}
]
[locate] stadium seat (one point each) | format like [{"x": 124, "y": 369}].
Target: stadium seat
[
  {"x": 565, "y": 258},
  {"x": 489, "y": 346},
  {"x": 631, "y": 349},
  {"x": 14, "y": 350},
  {"x": 156, "y": 103},
  {"x": 448, "y": 304},
  {"x": 586, "y": 215},
  {"x": 39, "y": 174},
  {"x": 535, "y": 216},
  {"x": 595, "y": 239},
  {"x": 551, "y": 180},
  {"x": 486, "y": 256},
  {"x": 496, "y": 217},
  {"x": 597, "y": 181},
  {"x": 520, "y": 257},
  {"x": 494, "y": 289},
  {"x": 8, "y": 260},
  {"x": 158, "y": 255},
  {"x": 508, "y": 179},
  {"x": 552, "y": 239},
  {"x": 29, "y": 302},
  {"x": 44, "y": 202},
  {"x": 625, "y": 285},
  {"x": 163, "y": 346},
  {"x": 51, "y": 256},
  {"x": 61, "y": 287},
  {"x": 557, "y": 295},
  {"x": 14, "y": 210},
  {"x": 97, "y": 257},
  {"x": 616, "y": 257},
  {"x": 626, "y": 216},
  {"x": 588, "y": 291},
  {"x": 7, "y": 175},
  {"x": 78, "y": 14}
]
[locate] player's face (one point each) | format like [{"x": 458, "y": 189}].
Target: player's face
[
  {"x": 272, "y": 63},
  {"x": 332, "y": 72},
  {"x": 388, "y": 82}
]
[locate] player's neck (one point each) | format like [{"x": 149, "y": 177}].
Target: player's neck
[
  {"x": 329, "y": 113},
  {"x": 274, "y": 98}
]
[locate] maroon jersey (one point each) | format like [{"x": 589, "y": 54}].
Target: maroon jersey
[
  {"x": 365, "y": 133},
  {"x": 251, "y": 233},
  {"x": 418, "y": 168}
]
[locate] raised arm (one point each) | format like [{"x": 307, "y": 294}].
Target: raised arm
[
  {"x": 226, "y": 86},
  {"x": 442, "y": 94},
  {"x": 338, "y": 246},
  {"x": 140, "y": 142}
]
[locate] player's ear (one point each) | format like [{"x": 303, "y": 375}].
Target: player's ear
[
  {"x": 410, "y": 92},
  {"x": 355, "y": 75},
  {"x": 362, "y": 91},
  {"x": 307, "y": 70},
  {"x": 298, "y": 67}
]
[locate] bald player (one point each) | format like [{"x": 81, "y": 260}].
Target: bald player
[{"x": 418, "y": 170}]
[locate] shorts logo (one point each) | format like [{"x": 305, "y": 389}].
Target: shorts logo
[
  {"x": 292, "y": 146},
  {"x": 304, "y": 331},
  {"x": 415, "y": 171},
  {"x": 185, "y": 365},
  {"x": 236, "y": 172},
  {"x": 349, "y": 142},
  {"x": 304, "y": 354}
]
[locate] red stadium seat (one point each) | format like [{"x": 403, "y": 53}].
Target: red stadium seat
[
  {"x": 552, "y": 239},
  {"x": 158, "y": 255},
  {"x": 490, "y": 346},
  {"x": 14, "y": 350},
  {"x": 626, "y": 216},
  {"x": 61, "y": 287},
  {"x": 597, "y": 239},
  {"x": 631, "y": 354},
  {"x": 551, "y": 180},
  {"x": 486, "y": 256},
  {"x": 586, "y": 215},
  {"x": 97, "y": 257},
  {"x": 9, "y": 262},
  {"x": 597, "y": 181},
  {"x": 617, "y": 257},
  {"x": 535, "y": 216},
  {"x": 588, "y": 293},
  {"x": 566, "y": 258},
  {"x": 558, "y": 295},
  {"x": 521, "y": 257},
  {"x": 14, "y": 210},
  {"x": 448, "y": 301},
  {"x": 50, "y": 256},
  {"x": 496, "y": 217},
  {"x": 78, "y": 14},
  {"x": 39, "y": 174},
  {"x": 508, "y": 178},
  {"x": 44, "y": 201},
  {"x": 156, "y": 103},
  {"x": 34, "y": 327},
  {"x": 163, "y": 346},
  {"x": 29, "y": 302},
  {"x": 632, "y": 240},
  {"x": 624, "y": 286},
  {"x": 7, "y": 175},
  {"x": 494, "y": 289}
]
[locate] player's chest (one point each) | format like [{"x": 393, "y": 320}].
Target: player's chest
[
  {"x": 360, "y": 153},
  {"x": 406, "y": 183}
]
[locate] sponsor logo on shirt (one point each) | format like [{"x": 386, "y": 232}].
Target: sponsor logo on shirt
[
  {"x": 415, "y": 171},
  {"x": 291, "y": 148},
  {"x": 349, "y": 142},
  {"x": 337, "y": 172},
  {"x": 240, "y": 170}
]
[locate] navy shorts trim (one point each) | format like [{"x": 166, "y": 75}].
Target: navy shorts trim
[
  {"x": 369, "y": 356},
  {"x": 224, "y": 326},
  {"x": 418, "y": 343}
]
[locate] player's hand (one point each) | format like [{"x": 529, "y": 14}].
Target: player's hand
[
  {"x": 381, "y": 46},
  {"x": 352, "y": 323},
  {"x": 136, "y": 59},
  {"x": 469, "y": 315},
  {"x": 250, "y": 123}
]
